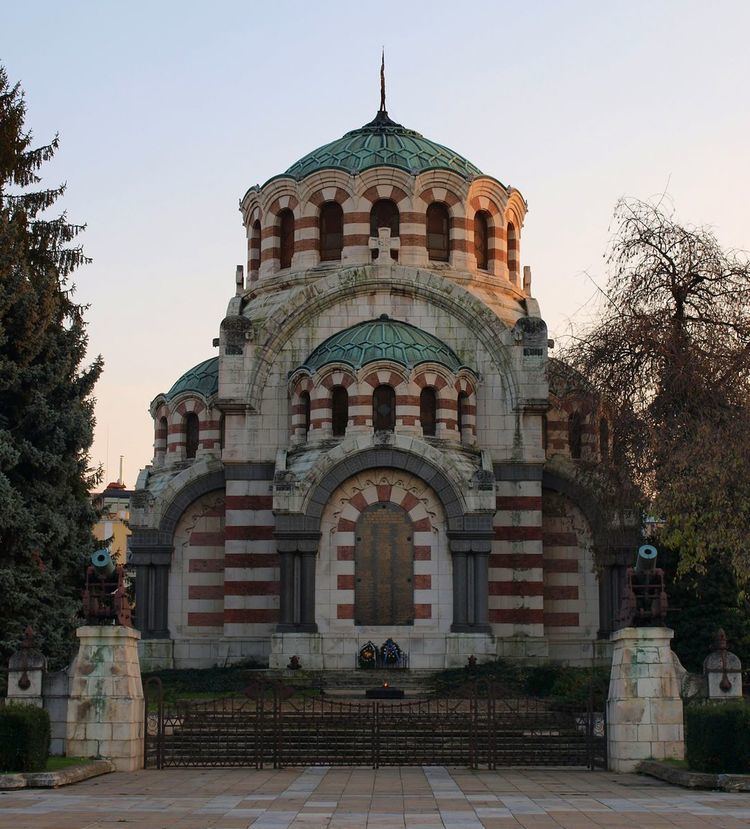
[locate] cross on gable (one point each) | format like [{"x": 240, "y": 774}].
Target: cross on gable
[{"x": 384, "y": 244}]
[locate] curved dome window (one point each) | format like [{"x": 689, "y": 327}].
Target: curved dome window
[
  {"x": 428, "y": 411},
  {"x": 438, "y": 232},
  {"x": 286, "y": 238},
  {"x": 384, "y": 409},
  {"x": 331, "y": 231},
  {"x": 482, "y": 240},
  {"x": 339, "y": 411},
  {"x": 463, "y": 399},
  {"x": 192, "y": 428},
  {"x": 384, "y": 213},
  {"x": 304, "y": 400}
]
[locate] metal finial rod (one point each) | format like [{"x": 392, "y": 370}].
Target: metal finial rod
[{"x": 382, "y": 80}]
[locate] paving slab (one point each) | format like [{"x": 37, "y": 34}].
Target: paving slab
[{"x": 433, "y": 797}]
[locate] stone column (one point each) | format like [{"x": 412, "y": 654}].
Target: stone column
[
  {"x": 307, "y": 592},
  {"x": 105, "y": 708},
  {"x": 152, "y": 564},
  {"x": 460, "y": 620},
  {"x": 644, "y": 708}
]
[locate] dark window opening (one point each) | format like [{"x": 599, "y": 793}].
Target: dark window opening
[
  {"x": 384, "y": 213},
  {"x": 339, "y": 410},
  {"x": 575, "y": 435},
  {"x": 428, "y": 411},
  {"x": 286, "y": 238},
  {"x": 482, "y": 240},
  {"x": 222, "y": 432},
  {"x": 191, "y": 434},
  {"x": 438, "y": 232},
  {"x": 462, "y": 400},
  {"x": 331, "y": 232},
  {"x": 304, "y": 400},
  {"x": 384, "y": 409}
]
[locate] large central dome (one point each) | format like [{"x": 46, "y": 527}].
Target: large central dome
[{"x": 383, "y": 143}]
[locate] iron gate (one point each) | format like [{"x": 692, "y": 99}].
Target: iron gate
[{"x": 272, "y": 725}]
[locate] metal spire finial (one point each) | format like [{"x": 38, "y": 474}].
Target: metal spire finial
[{"x": 382, "y": 81}]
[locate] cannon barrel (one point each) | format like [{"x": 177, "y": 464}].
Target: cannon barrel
[
  {"x": 102, "y": 563},
  {"x": 645, "y": 561}
]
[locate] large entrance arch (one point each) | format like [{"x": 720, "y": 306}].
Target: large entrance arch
[{"x": 468, "y": 538}]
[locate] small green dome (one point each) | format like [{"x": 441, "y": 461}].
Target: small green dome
[
  {"x": 203, "y": 378},
  {"x": 382, "y": 339},
  {"x": 383, "y": 143}
]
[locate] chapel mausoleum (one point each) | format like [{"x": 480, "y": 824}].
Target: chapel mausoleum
[{"x": 374, "y": 451}]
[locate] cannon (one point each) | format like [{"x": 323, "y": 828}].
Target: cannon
[
  {"x": 644, "y": 602},
  {"x": 103, "y": 565},
  {"x": 105, "y": 599}
]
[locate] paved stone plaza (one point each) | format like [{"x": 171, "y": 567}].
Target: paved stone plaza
[{"x": 340, "y": 798}]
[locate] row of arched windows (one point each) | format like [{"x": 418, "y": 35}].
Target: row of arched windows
[
  {"x": 385, "y": 213},
  {"x": 383, "y": 410},
  {"x": 575, "y": 435},
  {"x": 191, "y": 426}
]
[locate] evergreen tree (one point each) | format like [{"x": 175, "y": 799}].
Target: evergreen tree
[{"x": 46, "y": 407}]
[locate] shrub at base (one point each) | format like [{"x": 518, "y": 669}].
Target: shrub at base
[
  {"x": 717, "y": 737},
  {"x": 24, "y": 738}
]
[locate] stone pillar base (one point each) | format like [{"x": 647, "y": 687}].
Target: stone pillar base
[
  {"x": 105, "y": 708},
  {"x": 644, "y": 708},
  {"x": 460, "y": 646},
  {"x": 307, "y": 646}
]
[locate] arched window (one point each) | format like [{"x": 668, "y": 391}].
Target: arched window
[
  {"x": 512, "y": 253},
  {"x": 463, "y": 399},
  {"x": 545, "y": 432},
  {"x": 384, "y": 213},
  {"x": 339, "y": 410},
  {"x": 286, "y": 238},
  {"x": 604, "y": 437},
  {"x": 438, "y": 232},
  {"x": 384, "y": 409},
  {"x": 575, "y": 435},
  {"x": 254, "y": 250},
  {"x": 222, "y": 432},
  {"x": 331, "y": 231},
  {"x": 428, "y": 410},
  {"x": 191, "y": 434},
  {"x": 304, "y": 400},
  {"x": 482, "y": 240}
]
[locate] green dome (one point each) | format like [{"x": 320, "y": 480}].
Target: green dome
[
  {"x": 383, "y": 143},
  {"x": 203, "y": 378},
  {"x": 382, "y": 339}
]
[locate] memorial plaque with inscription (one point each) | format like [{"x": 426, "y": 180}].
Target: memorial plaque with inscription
[{"x": 384, "y": 567}]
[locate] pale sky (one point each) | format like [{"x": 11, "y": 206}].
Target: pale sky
[{"x": 169, "y": 111}]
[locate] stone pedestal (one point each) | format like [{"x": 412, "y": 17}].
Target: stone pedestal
[
  {"x": 105, "y": 709},
  {"x": 307, "y": 646},
  {"x": 644, "y": 708}
]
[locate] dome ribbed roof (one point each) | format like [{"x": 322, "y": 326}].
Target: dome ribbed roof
[
  {"x": 203, "y": 378},
  {"x": 383, "y": 143},
  {"x": 382, "y": 339}
]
